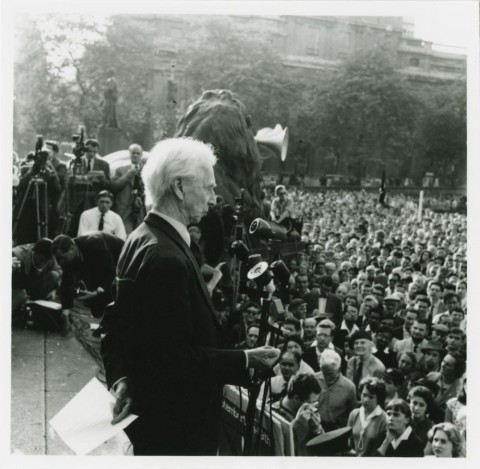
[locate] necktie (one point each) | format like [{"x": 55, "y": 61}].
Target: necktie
[
  {"x": 100, "y": 223},
  {"x": 358, "y": 374},
  {"x": 89, "y": 166}
]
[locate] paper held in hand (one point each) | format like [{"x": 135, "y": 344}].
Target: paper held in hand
[{"x": 84, "y": 423}]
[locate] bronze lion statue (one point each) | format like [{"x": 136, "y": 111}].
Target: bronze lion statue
[{"x": 218, "y": 117}]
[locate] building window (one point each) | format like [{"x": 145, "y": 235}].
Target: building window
[{"x": 414, "y": 62}]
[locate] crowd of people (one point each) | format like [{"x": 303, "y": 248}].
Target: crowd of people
[
  {"x": 377, "y": 314},
  {"x": 374, "y": 333}
]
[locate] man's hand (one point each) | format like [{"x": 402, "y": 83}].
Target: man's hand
[
  {"x": 16, "y": 264},
  {"x": 262, "y": 358},
  {"x": 84, "y": 295},
  {"x": 123, "y": 402},
  {"x": 88, "y": 295}
]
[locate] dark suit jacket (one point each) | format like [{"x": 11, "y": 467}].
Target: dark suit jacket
[
  {"x": 95, "y": 266},
  {"x": 334, "y": 305},
  {"x": 164, "y": 337}
]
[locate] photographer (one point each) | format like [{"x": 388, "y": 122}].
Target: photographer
[
  {"x": 89, "y": 174},
  {"x": 88, "y": 264},
  {"x": 35, "y": 272},
  {"x": 299, "y": 407},
  {"x": 30, "y": 211}
]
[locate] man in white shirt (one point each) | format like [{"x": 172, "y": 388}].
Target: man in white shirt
[{"x": 101, "y": 218}]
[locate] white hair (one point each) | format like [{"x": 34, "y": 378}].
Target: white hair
[
  {"x": 135, "y": 146},
  {"x": 330, "y": 358},
  {"x": 173, "y": 158}
]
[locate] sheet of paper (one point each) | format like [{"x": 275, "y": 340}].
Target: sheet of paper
[
  {"x": 46, "y": 304},
  {"x": 84, "y": 423}
]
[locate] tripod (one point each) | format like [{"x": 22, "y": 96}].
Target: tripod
[
  {"x": 70, "y": 204},
  {"x": 41, "y": 206}
]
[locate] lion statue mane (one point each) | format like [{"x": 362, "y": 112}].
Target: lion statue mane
[{"x": 219, "y": 118}]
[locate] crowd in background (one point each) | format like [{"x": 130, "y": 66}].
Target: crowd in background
[{"x": 377, "y": 314}]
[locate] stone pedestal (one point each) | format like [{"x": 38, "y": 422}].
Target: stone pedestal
[{"x": 111, "y": 139}]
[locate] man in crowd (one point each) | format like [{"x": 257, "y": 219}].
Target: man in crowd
[
  {"x": 162, "y": 352},
  {"x": 127, "y": 185},
  {"x": 403, "y": 332},
  {"x": 325, "y": 331},
  {"x": 35, "y": 272},
  {"x": 381, "y": 350},
  {"x": 418, "y": 339},
  {"x": 251, "y": 340},
  {"x": 101, "y": 218},
  {"x": 432, "y": 357},
  {"x": 282, "y": 205},
  {"x": 364, "y": 364},
  {"x": 338, "y": 396},
  {"x": 85, "y": 181},
  {"x": 324, "y": 300},
  {"x": 88, "y": 263},
  {"x": 309, "y": 331}
]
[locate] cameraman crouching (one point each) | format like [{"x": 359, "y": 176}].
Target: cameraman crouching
[
  {"x": 35, "y": 272},
  {"x": 88, "y": 264}
]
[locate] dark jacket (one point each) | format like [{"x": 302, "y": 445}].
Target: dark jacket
[
  {"x": 164, "y": 337},
  {"x": 95, "y": 266},
  {"x": 409, "y": 448},
  {"x": 334, "y": 305}
]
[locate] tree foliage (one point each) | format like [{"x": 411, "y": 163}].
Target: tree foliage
[{"x": 352, "y": 121}]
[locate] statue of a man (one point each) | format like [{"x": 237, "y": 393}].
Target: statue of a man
[{"x": 109, "y": 102}]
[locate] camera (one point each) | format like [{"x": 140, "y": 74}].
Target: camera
[
  {"x": 79, "y": 148},
  {"x": 40, "y": 158}
]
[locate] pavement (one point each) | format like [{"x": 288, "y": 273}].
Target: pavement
[{"x": 48, "y": 370}]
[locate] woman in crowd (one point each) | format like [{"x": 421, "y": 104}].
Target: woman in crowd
[
  {"x": 369, "y": 421},
  {"x": 421, "y": 402},
  {"x": 400, "y": 441},
  {"x": 446, "y": 441}
]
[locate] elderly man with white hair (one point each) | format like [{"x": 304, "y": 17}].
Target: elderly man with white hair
[
  {"x": 162, "y": 349},
  {"x": 338, "y": 396}
]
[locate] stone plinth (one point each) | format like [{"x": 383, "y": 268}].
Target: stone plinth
[{"x": 111, "y": 139}]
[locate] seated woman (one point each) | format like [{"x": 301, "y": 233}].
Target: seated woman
[
  {"x": 421, "y": 403},
  {"x": 446, "y": 441},
  {"x": 400, "y": 441},
  {"x": 369, "y": 422}
]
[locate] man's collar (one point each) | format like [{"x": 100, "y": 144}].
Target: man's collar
[{"x": 179, "y": 227}]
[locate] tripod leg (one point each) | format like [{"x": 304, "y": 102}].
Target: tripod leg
[
  {"x": 37, "y": 211},
  {"x": 45, "y": 203},
  {"x": 22, "y": 206}
]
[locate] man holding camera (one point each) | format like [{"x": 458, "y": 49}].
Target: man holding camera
[{"x": 127, "y": 185}]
